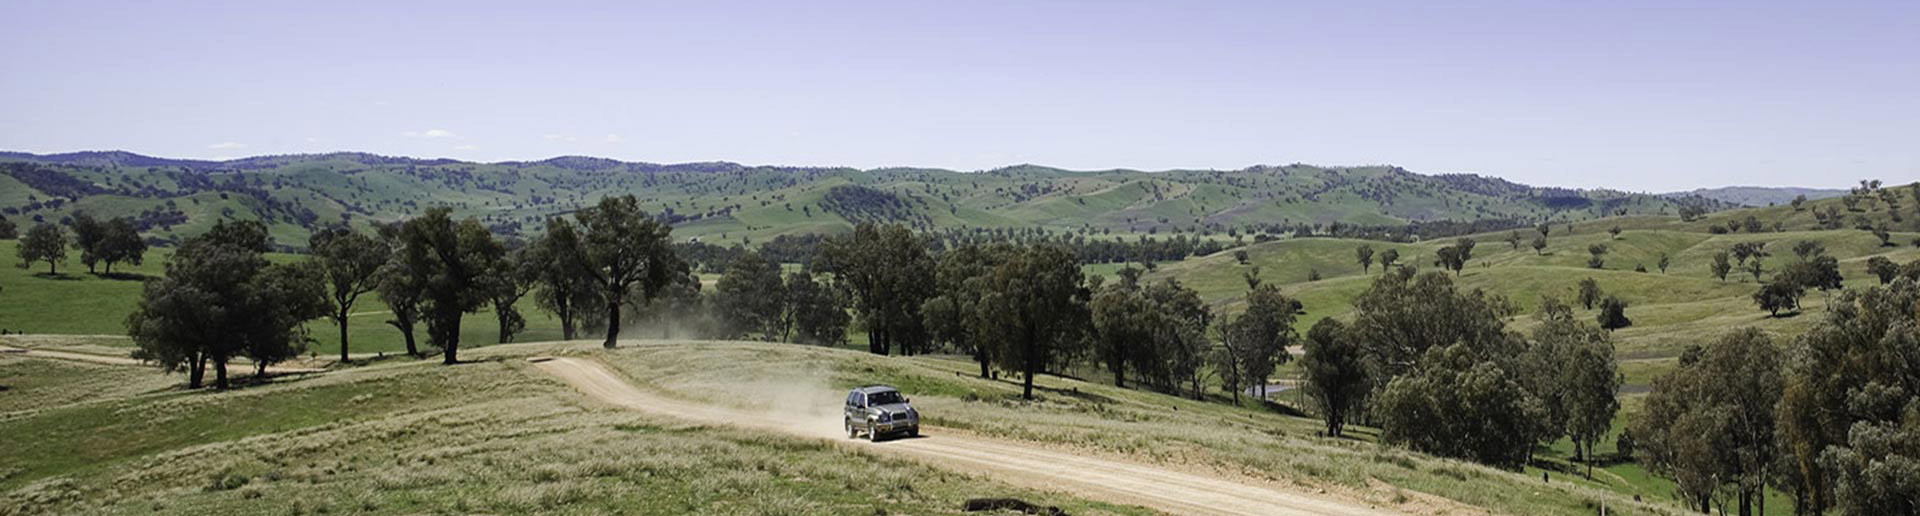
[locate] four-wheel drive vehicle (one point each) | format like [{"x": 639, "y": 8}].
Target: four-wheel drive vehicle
[{"x": 879, "y": 410}]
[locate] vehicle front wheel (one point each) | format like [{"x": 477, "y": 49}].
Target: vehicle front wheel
[
  {"x": 872, "y": 436},
  {"x": 913, "y": 432}
]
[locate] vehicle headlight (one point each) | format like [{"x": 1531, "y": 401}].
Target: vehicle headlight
[{"x": 885, "y": 417}]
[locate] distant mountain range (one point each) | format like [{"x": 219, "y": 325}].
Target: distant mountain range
[
  {"x": 1759, "y": 195},
  {"x": 735, "y": 203}
]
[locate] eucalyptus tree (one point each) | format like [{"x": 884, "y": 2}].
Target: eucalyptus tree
[
  {"x": 451, "y": 262},
  {"x": 626, "y": 252},
  {"x": 349, "y": 262}
]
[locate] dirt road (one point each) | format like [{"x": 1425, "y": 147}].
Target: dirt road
[{"x": 1107, "y": 480}]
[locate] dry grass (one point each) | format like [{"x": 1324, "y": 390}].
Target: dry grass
[
  {"x": 484, "y": 438},
  {"x": 1256, "y": 445}
]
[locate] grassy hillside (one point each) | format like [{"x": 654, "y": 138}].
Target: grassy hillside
[
  {"x": 403, "y": 437},
  {"x": 414, "y": 438},
  {"x": 77, "y": 303},
  {"x": 725, "y": 202}
]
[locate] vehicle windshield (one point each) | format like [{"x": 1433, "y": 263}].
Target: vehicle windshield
[{"x": 884, "y": 398}]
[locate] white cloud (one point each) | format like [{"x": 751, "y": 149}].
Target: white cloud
[
  {"x": 227, "y": 145},
  {"x": 614, "y": 138},
  {"x": 431, "y": 133},
  {"x": 559, "y": 138},
  {"x": 465, "y": 147}
]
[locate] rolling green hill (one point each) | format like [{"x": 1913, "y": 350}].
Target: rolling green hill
[
  {"x": 726, "y": 202},
  {"x": 1682, "y": 306}
]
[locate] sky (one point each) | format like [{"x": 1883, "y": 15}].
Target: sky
[{"x": 1652, "y": 96}]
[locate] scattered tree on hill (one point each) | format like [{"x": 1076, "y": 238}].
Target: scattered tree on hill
[
  {"x": 1613, "y": 314},
  {"x": 1754, "y": 267},
  {"x": 1598, "y": 253},
  {"x": 349, "y": 264},
  {"x": 1387, "y": 258},
  {"x": 566, "y": 287},
  {"x": 1614, "y": 232},
  {"x": 121, "y": 243},
  {"x": 451, "y": 263},
  {"x": 1799, "y": 202},
  {"x": 403, "y": 292},
  {"x": 1883, "y": 268},
  {"x": 1744, "y": 251},
  {"x": 7, "y": 230},
  {"x": 514, "y": 276},
  {"x": 1807, "y": 249},
  {"x": 1122, "y": 325},
  {"x": 1709, "y": 425},
  {"x": 628, "y": 253},
  {"x": 814, "y": 314},
  {"x": 1177, "y": 349},
  {"x": 1664, "y": 261},
  {"x": 750, "y": 297},
  {"x": 1454, "y": 257},
  {"x": 1847, "y": 415},
  {"x": 1514, "y": 239},
  {"x": 221, "y": 299},
  {"x": 88, "y": 233},
  {"x": 1335, "y": 373},
  {"x": 1240, "y": 255},
  {"x": 44, "y": 243},
  {"x": 1365, "y": 254},
  {"x": 1821, "y": 272},
  {"x": 1575, "y": 377},
  {"x": 1720, "y": 267},
  {"x": 1880, "y": 232},
  {"x": 1404, "y": 315},
  {"x": 1033, "y": 309},
  {"x": 1257, "y": 339},
  {"x": 1780, "y": 294},
  {"x": 949, "y": 316},
  {"x": 1539, "y": 245},
  {"x": 1544, "y": 229},
  {"x": 1589, "y": 293},
  {"x": 1460, "y": 403},
  {"x": 885, "y": 269}
]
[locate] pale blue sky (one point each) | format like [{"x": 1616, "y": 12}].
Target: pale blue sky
[{"x": 1653, "y": 96}]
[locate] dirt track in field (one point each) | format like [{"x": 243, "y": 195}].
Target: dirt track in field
[{"x": 1026, "y": 465}]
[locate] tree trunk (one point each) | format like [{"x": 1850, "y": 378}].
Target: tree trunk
[
  {"x": 613, "y": 325},
  {"x": 52, "y": 268},
  {"x": 501, "y": 318},
  {"x": 877, "y": 340},
  {"x": 1586, "y": 455},
  {"x": 343, "y": 335},
  {"x": 196, "y": 371},
  {"x": 1032, "y": 364},
  {"x": 447, "y": 334},
  {"x": 220, "y": 373},
  {"x": 565, "y": 313},
  {"x": 259, "y": 370},
  {"x": 981, "y": 355},
  {"x": 411, "y": 348}
]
